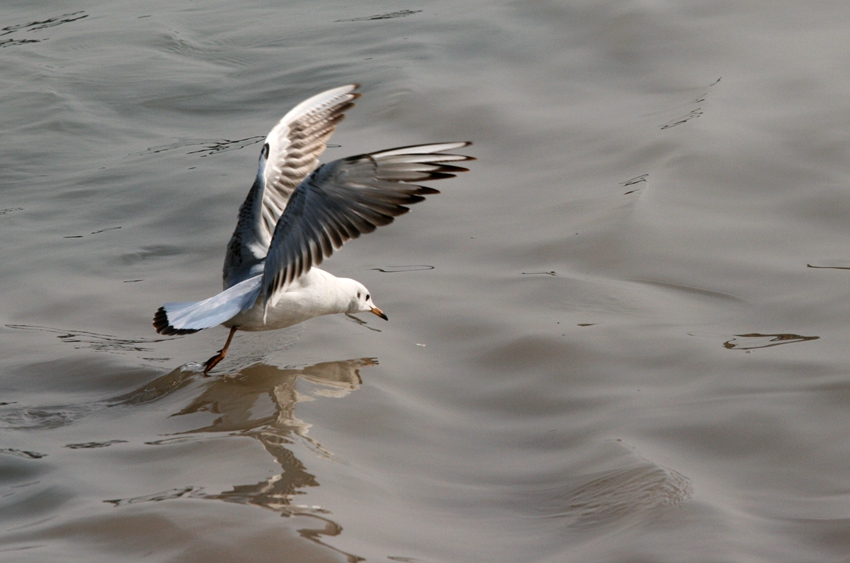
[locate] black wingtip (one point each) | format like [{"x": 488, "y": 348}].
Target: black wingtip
[
  {"x": 467, "y": 144},
  {"x": 163, "y": 326}
]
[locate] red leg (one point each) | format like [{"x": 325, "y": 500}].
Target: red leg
[{"x": 212, "y": 362}]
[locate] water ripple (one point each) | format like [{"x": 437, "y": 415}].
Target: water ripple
[
  {"x": 755, "y": 340},
  {"x": 387, "y": 16},
  {"x": 94, "y": 340},
  {"x": 612, "y": 495}
]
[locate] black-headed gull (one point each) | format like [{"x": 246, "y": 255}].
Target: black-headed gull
[{"x": 297, "y": 213}]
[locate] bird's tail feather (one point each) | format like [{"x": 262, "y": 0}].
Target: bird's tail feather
[{"x": 186, "y": 318}]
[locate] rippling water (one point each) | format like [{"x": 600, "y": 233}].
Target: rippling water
[{"x": 621, "y": 337}]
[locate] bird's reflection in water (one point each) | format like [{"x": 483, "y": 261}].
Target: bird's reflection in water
[
  {"x": 260, "y": 402},
  {"x": 238, "y": 400}
]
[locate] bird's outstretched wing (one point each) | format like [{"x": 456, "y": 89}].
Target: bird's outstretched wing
[
  {"x": 347, "y": 197},
  {"x": 291, "y": 151}
]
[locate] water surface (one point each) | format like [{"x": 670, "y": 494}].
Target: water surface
[{"x": 620, "y": 337}]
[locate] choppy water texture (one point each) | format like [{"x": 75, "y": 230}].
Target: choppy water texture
[{"x": 621, "y": 337}]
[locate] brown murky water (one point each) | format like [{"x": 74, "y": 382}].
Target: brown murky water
[{"x": 621, "y": 337}]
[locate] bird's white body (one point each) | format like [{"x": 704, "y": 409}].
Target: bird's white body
[{"x": 314, "y": 294}]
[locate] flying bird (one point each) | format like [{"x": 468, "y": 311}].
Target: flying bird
[{"x": 297, "y": 213}]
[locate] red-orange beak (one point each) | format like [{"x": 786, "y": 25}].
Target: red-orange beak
[{"x": 380, "y": 313}]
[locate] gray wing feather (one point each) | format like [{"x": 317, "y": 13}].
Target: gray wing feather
[
  {"x": 291, "y": 151},
  {"x": 349, "y": 197}
]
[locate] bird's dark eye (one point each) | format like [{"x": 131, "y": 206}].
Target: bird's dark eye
[{"x": 367, "y": 297}]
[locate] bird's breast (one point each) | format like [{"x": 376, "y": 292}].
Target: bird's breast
[{"x": 312, "y": 296}]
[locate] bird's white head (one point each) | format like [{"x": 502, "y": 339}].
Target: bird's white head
[{"x": 361, "y": 300}]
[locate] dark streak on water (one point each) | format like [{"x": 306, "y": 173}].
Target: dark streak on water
[{"x": 387, "y": 16}]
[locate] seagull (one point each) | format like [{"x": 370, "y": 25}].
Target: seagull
[{"x": 297, "y": 213}]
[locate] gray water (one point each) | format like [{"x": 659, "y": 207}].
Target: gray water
[{"x": 620, "y": 337}]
